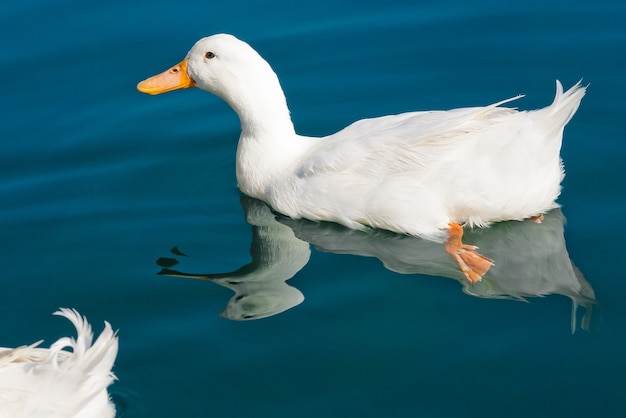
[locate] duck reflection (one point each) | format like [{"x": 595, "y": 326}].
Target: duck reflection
[{"x": 531, "y": 260}]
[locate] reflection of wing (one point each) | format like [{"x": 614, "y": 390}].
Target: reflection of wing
[{"x": 531, "y": 259}]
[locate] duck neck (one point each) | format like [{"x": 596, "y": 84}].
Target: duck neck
[
  {"x": 268, "y": 145},
  {"x": 265, "y": 119}
]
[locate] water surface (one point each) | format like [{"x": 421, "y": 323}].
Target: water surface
[{"x": 99, "y": 183}]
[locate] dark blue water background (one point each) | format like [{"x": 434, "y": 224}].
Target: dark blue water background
[{"x": 98, "y": 183}]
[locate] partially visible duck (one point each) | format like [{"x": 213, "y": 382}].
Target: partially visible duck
[
  {"x": 420, "y": 173},
  {"x": 56, "y": 383}
]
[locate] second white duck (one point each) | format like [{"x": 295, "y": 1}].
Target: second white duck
[
  {"x": 419, "y": 173},
  {"x": 59, "y": 383}
]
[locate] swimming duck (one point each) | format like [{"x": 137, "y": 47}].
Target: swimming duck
[
  {"x": 53, "y": 382},
  {"x": 419, "y": 173}
]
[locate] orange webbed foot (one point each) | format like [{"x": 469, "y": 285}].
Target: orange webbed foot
[
  {"x": 536, "y": 219},
  {"x": 472, "y": 264}
]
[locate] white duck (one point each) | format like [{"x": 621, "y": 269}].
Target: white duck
[
  {"x": 55, "y": 383},
  {"x": 420, "y": 173}
]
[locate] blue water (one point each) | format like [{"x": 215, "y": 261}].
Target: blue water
[{"x": 102, "y": 188}]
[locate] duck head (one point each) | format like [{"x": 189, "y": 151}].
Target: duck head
[{"x": 220, "y": 64}]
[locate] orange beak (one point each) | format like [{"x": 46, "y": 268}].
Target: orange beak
[{"x": 173, "y": 79}]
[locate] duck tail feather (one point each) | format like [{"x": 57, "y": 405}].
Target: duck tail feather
[{"x": 565, "y": 104}]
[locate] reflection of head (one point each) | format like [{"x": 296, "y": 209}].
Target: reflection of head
[
  {"x": 260, "y": 288},
  {"x": 258, "y": 302}
]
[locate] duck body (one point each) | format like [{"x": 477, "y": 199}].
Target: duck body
[
  {"x": 416, "y": 172},
  {"x": 413, "y": 173}
]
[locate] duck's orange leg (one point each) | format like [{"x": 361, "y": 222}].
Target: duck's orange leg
[{"x": 472, "y": 264}]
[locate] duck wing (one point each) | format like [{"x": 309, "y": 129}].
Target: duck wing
[{"x": 399, "y": 143}]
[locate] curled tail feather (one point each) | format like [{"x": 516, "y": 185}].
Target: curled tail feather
[{"x": 565, "y": 104}]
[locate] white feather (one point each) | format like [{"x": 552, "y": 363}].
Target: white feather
[{"x": 54, "y": 382}]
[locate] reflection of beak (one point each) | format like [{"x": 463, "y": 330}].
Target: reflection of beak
[{"x": 173, "y": 79}]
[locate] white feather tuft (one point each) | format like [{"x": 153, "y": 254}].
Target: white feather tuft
[
  {"x": 53, "y": 382},
  {"x": 565, "y": 104}
]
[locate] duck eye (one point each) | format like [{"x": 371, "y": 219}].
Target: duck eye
[{"x": 209, "y": 55}]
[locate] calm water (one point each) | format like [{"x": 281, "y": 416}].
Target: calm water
[{"x": 98, "y": 184}]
